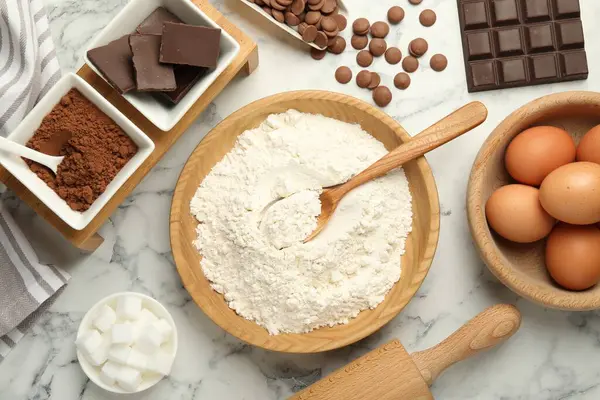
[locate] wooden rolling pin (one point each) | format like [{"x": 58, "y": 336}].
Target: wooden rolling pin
[{"x": 390, "y": 373}]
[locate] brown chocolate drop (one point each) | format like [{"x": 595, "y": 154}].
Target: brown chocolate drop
[
  {"x": 363, "y": 79},
  {"x": 359, "y": 42},
  {"x": 393, "y": 55},
  {"x": 375, "y": 80},
  {"x": 410, "y": 64},
  {"x": 364, "y": 58},
  {"x": 380, "y": 29},
  {"x": 418, "y": 47},
  {"x": 438, "y": 62},
  {"x": 415, "y": 2},
  {"x": 377, "y": 47},
  {"x": 338, "y": 46},
  {"x": 317, "y": 54},
  {"x": 342, "y": 22},
  {"x": 395, "y": 15},
  {"x": 361, "y": 26},
  {"x": 427, "y": 18},
  {"x": 402, "y": 80},
  {"x": 343, "y": 75},
  {"x": 321, "y": 40},
  {"x": 382, "y": 96},
  {"x": 329, "y": 24},
  {"x": 310, "y": 34}
]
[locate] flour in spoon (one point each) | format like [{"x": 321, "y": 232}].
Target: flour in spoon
[{"x": 252, "y": 245}]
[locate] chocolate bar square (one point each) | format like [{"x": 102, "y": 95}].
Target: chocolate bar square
[
  {"x": 153, "y": 25},
  {"x": 190, "y": 45},
  {"x": 186, "y": 77},
  {"x": 114, "y": 63},
  {"x": 512, "y": 43},
  {"x": 150, "y": 74}
]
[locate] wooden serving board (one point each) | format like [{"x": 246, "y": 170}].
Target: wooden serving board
[{"x": 246, "y": 62}]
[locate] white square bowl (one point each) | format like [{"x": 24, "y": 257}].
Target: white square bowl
[
  {"x": 160, "y": 112},
  {"x": 26, "y": 129}
]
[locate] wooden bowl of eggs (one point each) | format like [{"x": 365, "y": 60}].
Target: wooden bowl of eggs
[{"x": 533, "y": 201}]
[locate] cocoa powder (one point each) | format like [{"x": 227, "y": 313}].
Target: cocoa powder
[{"x": 94, "y": 147}]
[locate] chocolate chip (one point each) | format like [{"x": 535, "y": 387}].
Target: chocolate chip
[
  {"x": 292, "y": 19},
  {"x": 410, "y": 64},
  {"x": 338, "y": 46},
  {"x": 359, "y": 42},
  {"x": 298, "y": 6},
  {"x": 268, "y": 10},
  {"x": 343, "y": 75},
  {"x": 395, "y": 15},
  {"x": 380, "y": 29},
  {"x": 361, "y": 26},
  {"x": 363, "y": 79},
  {"x": 415, "y": 2},
  {"x": 313, "y": 17},
  {"x": 321, "y": 40},
  {"x": 364, "y": 58},
  {"x": 375, "y": 80},
  {"x": 393, "y": 55},
  {"x": 310, "y": 33},
  {"x": 418, "y": 47},
  {"x": 278, "y": 15},
  {"x": 342, "y": 22},
  {"x": 377, "y": 47},
  {"x": 329, "y": 6},
  {"x": 302, "y": 27},
  {"x": 329, "y": 24},
  {"x": 382, "y": 96},
  {"x": 317, "y": 54},
  {"x": 316, "y": 6},
  {"x": 427, "y": 18},
  {"x": 402, "y": 80},
  {"x": 438, "y": 62}
]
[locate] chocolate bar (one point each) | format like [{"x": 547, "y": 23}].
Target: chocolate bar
[
  {"x": 114, "y": 62},
  {"x": 512, "y": 43},
  {"x": 150, "y": 75},
  {"x": 153, "y": 25},
  {"x": 190, "y": 45}
]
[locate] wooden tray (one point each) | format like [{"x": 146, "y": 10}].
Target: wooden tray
[{"x": 87, "y": 239}]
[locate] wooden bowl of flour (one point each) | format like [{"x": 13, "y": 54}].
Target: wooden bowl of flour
[{"x": 420, "y": 244}]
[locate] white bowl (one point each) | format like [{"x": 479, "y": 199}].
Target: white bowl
[
  {"x": 86, "y": 323},
  {"x": 26, "y": 129},
  {"x": 159, "y": 112}
]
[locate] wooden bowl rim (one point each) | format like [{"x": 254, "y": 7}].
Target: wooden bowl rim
[
  {"x": 547, "y": 296},
  {"x": 421, "y": 269}
]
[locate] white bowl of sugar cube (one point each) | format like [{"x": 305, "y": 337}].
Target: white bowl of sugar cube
[{"x": 127, "y": 342}]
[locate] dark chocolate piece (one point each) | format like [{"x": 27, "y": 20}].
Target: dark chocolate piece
[
  {"x": 186, "y": 77},
  {"x": 190, "y": 45},
  {"x": 512, "y": 43},
  {"x": 153, "y": 25},
  {"x": 114, "y": 63},
  {"x": 150, "y": 74}
]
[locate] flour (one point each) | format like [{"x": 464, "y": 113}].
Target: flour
[{"x": 252, "y": 244}]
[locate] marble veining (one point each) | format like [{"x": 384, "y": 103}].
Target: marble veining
[{"x": 553, "y": 356}]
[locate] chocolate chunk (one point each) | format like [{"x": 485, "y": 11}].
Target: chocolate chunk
[
  {"x": 427, "y": 18},
  {"x": 511, "y": 43},
  {"x": 343, "y": 75},
  {"x": 410, "y": 64},
  {"x": 153, "y": 25},
  {"x": 186, "y": 77},
  {"x": 150, "y": 74},
  {"x": 382, "y": 96},
  {"x": 114, "y": 63},
  {"x": 402, "y": 80},
  {"x": 395, "y": 15},
  {"x": 438, "y": 62},
  {"x": 190, "y": 45},
  {"x": 393, "y": 55}
]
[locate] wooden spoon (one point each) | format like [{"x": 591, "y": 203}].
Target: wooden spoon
[{"x": 443, "y": 131}]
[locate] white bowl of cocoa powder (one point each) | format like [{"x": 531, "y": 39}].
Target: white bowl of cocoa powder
[{"x": 102, "y": 149}]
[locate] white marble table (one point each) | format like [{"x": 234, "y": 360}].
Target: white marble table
[{"x": 553, "y": 356}]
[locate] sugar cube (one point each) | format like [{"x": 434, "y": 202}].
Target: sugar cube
[
  {"x": 99, "y": 356},
  {"x": 122, "y": 333},
  {"x": 137, "y": 359},
  {"x": 160, "y": 363},
  {"x": 165, "y": 329},
  {"x": 129, "y": 307},
  {"x": 129, "y": 378},
  {"x": 149, "y": 340},
  {"x": 119, "y": 353},
  {"x": 105, "y": 318},
  {"x": 146, "y": 318},
  {"x": 109, "y": 372},
  {"x": 89, "y": 341}
]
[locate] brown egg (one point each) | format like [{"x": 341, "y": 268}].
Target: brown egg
[
  {"x": 589, "y": 147},
  {"x": 536, "y": 152},
  {"x": 572, "y": 193},
  {"x": 515, "y": 213},
  {"x": 573, "y": 256}
]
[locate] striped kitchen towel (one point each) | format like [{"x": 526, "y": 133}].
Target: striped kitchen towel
[
  {"x": 28, "y": 68},
  {"x": 28, "y": 63}
]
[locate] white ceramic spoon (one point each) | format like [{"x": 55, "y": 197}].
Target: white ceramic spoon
[{"x": 14, "y": 148}]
